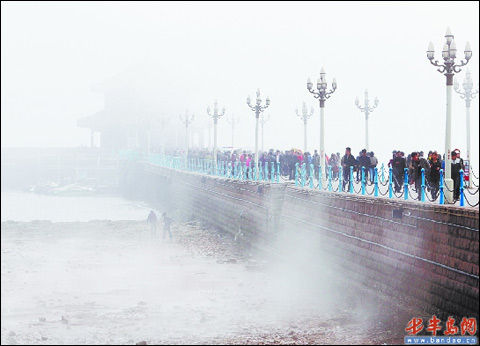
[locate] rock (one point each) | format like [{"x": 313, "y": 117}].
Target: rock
[
  {"x": 44, "y": 338},
  {"x": 12, "y": 333},
  {"x": 42, "y": 319},
  {"x": 141, "y": 343},
  {"x": 64, "y": 320}
]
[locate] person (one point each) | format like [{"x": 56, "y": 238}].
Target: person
[
  {"x": 457, "y": 165},
  {"x": 152, "y": 221},
  {"x": 398, "y": 170},
  {"x": 294, "y": 159},
  {"x": 416, "y": 173},
  {"x": 316, "y": 163},
  {"x": 357, "y": 168},
  {"x": 364, "y": 161},
  {"x": 307, "y": 162},
  {"x": 278, "y": 163},
  {"x": 425, "y": 165},
  {"x": 166, "y": 225},
  {"x": 373, "y": 164},
  {"x": 434, "y": 176},
  {"x": 248, "y": 166},
  {"x": 333, "y": 163},
  {"x": 347, "y": 161},
  {"x": 233, "y": 159}
]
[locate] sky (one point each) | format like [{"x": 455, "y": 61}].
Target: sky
[{"x": 53, "y": 54}]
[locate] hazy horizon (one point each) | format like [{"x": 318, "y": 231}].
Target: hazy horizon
[{"x": 54, "y": 55}]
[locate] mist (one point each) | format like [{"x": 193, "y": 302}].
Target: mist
[
  {"x": 59, "y": 60},
  {"x": 87, "y": 86}
]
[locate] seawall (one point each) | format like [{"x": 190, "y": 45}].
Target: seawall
[{"x": 425, "y": 253}]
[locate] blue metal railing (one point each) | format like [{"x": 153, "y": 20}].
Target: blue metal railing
[{"x": 304, "y": 175}]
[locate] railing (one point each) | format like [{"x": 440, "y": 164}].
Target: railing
[{"x": 306, "y": 176}]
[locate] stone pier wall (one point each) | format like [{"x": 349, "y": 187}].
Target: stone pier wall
[{"x": 425, "y": 253}]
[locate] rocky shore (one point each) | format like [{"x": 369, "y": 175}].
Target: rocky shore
[{"x": 114, "y": 283}]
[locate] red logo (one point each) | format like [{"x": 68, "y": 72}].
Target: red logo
[
  {"x": 414, "y": 326},
  {"x": 467, "y": 325}
]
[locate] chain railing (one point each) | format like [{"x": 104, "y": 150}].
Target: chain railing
[{"x": 384, "y": 183}]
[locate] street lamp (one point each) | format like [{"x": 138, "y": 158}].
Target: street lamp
[
  {"x": 322, "y": 94},
  {"x": 367, "y": 110},
  {"x": 257, "y": 108},
  {"x": 233, "y": 121},
  {"x": 263, "y": 119},
  {"x": 215, "y": 115},
  {"x": 186, "y": 120},
  {"x": 304, "y": 116},
  {"x": 449, "y": 68},
  {"x": 467, "y": 94}
]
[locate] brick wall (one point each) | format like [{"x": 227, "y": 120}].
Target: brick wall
[{"x": 428, "y": 254}]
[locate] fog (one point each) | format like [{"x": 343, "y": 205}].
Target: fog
[
  {"x": 79, "y": 263},
  {"x": 59, "y": 59}
]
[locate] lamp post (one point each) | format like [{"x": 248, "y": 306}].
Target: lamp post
[
  {"x": 449, "y": 68},
  {"x": 233, "y": 121},
  {"x": 209, "y": 126},
  {"x": 467, "y": 94},
  {"x": 304, "y": 116},
  {"x": 186, "y": 120},
  {"x": 367, "y": 110},
  {"x": 215, "y": 115},
  {"x": 263, "y": 119},
  {"x": 322, "y": 94},
  {"x": 163, "y": 126},
  {"x": 257, "y": 108}
]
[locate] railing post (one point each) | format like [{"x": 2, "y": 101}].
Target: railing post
[
  {"x": 462, "y": 197},
  {"x": 278, "y": 172},
  {"x": 272, "y": 172},
  {"x": 442, "y": 196},
  {"x": 340, "y": 179},
  {"x": 390, "y": 182},
  {"x": 265, "y": 174},
  {"x": 422, "y": 197},
  {"x": 363, "y": 180},
  {"x": 296, "y": 174},
  {"x": 405, "y": 184},
  {"x": 375, "y": 181},
  {"x": 320, "y": 187},
  {"x": 383, "y": 175},
  {"x": 312, "y": 174},
  {"x": 351, "y": 179},
  {"x": 329, "y": 178},
  {"x": 302, "y": 171}
]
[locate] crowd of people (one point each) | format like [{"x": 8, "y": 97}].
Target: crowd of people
[
  {"x": 363, "y": 165},
  {"x": 432, "y": 165}
]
